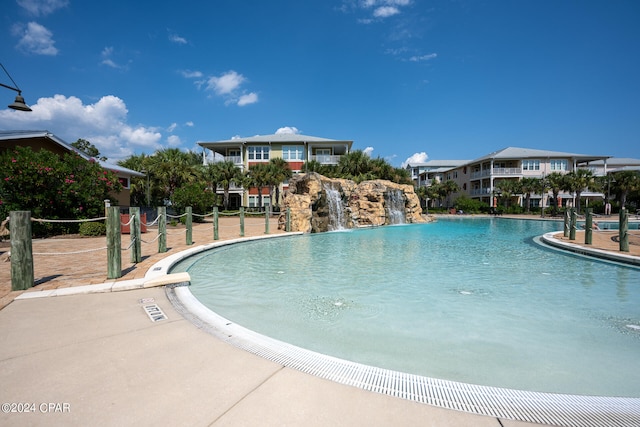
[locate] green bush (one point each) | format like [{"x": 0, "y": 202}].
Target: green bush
[
  {"x": 92, "y": 229},
  {"x": 471, "y": 206},
  {"x": 195, "y": 195}
]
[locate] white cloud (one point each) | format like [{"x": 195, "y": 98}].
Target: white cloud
[
  {"x": 287, "y": 130},
  {"x": 423, "y": 57},
  {"x": 189, "y": 124},
  {"x": 416, "y": 158},
  {"x": 174, "y": 140},
  {"x": 226, "y": 83},
  {"x": 103, "y": 123},
  {"x": 35, "y": 39},
  {"x": 42, "y": 7},
  {"x": 368, "y": 151},
  {"x": 177, "y": 39},
  {"x": 172, "y": 127},
  {"x": 188, "y": 74},
  {"x": 106, "y": 54},
  {"x": 385, "y": 11},
  {"x": 249, "y": 98}
]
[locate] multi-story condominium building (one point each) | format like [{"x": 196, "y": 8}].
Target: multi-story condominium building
[
  {"x": 295, "y": 149},
  {"x": 480, "y": 178},
  {"x": 427, "y": 173}
]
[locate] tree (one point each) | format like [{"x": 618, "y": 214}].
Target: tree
[
  {"x": 279, "y": 172},
  {"x": 173, "y": 168},
  {"x": 625, "y": 182},
  {"x": 259, "y": 175},
  {"x": 577, "y": 182},
  {"x": 449, "y": 187},
  {"x": 555, "y": 182},
  {"x": 226, "y": 173},
  {"x": 88, "y": 148},
  {"x": 528, "y": 186},
  {"x": 53, "y": 187},
  {"x": 354, "y": 165},
  {"x": 508, "y": 188}
]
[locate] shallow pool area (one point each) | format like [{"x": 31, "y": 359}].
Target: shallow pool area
[{"x": 469, "y": 300}]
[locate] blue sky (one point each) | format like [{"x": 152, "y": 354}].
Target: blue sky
[{"x": 403, "y": 79}]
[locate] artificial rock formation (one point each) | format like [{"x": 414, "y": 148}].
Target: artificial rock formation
[{"x": 317, "y": 203}]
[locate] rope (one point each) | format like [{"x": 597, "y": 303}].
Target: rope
[
  {"x": 68, "y": 220},
  {"x": 128, "y": 223},
  {"x": 70, "y": 253},
  {"x": 178, "y": 232},
  {"x": 179, "y": 216},
  {"x": 155, "y": 238},
  {"x": 202, "y": 216},
  {"x": 153, "y": 222}
]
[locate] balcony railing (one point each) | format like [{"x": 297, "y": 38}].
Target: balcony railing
[
  {"x": 326, "y": 159},
  {"x": 480, "y": 191},
  {"x": 496, "y": 171}
]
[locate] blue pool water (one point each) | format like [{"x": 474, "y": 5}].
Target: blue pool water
[{"x": 471, "y": 300}]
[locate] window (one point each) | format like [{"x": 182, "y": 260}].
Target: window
[
  {"x": 260, "y": 152},
  {"x": 292, "y": 153},
  {"x": 124, "y": 181},
  {"x": 253, "y": 201},
  {"x": 531, "y": 165},
  {"x": 559, "y": 165}
]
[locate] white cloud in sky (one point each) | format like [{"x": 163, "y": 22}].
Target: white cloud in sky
[
  {"x": 225, "y": 83},
  {"x": 35, "y": 39},
  {"x": 416, "y": 158},
  {"x": 172, "y": 127},
  {"x": 174, "y": 140},
  {"x": 385, "y": 11},
  {"x": 427, "y": 57},
  {"x": 287, "y": 130},
  {"x": 177, "y": 39},
  {"x": 42, "y": 7},
  {"x": 368, "y": 151},
  {"x": 249, "y": 98},
  {"x": 106, "y": 55},
  {"x": 189, "y": 124},
  {"x": 188, "y": 74},
  {"x": 103, "y": 123}
]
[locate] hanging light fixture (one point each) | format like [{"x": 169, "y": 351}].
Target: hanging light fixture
[{"x": 19, "y": 103}]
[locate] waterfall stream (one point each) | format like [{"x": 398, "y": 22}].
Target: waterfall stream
[
  {"x": 394, "y": 205},
  {"x": 337, "y": 220}
]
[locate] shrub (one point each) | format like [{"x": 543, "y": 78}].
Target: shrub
[
  {"x": 92, "y": 229},
  {"x": 195, "y": 195},
  {"x": 469, "y": 205}
]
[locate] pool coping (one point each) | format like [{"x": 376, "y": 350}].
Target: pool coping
[
  {"x": 550, "y": 239},
  {"x": 519, "y": 405}
]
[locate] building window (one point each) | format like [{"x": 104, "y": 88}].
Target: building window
[
  {"x": 260, "y": 152},
  {"x": 253, "y": 201},
  {"x": 124, "y": 181},
  {"x": 292, "y": 153},
  {"x": 559, "y": 165},
  {"x": 531, "y": 165}
]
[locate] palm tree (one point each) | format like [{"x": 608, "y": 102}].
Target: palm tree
[
  {"x": 354, "y": 165},
  {"x": 555, "y": 182},
  {"x": 280, "y": 172},
  {"x": 449, "y": 187},
  {"x": 226, "y": 173},
  {"x": 259, "y": 174},
  {"x": 528, "y": 186},
  {"x": 541, "y": 186},
  {"x": 173, "y": 168},
  {"x": 626, "y": 182},
  {"x": 508, "y": 188},
  {"x": 578, "y": 181}
]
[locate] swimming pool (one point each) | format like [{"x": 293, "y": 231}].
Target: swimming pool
[{"x": 470, "y": 300}]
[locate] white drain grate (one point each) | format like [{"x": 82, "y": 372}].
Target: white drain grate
[{"x": 154, "y": 312}]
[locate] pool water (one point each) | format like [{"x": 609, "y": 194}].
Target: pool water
[{"x": 472, "y": 300}]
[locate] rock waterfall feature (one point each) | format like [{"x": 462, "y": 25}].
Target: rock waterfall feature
[{"x": 317, "y": 203}]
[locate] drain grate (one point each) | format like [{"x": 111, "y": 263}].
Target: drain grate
[{"x": 154, "y": 312}]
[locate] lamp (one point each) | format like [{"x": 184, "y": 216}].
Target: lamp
[{"x": 19, "y": 103}]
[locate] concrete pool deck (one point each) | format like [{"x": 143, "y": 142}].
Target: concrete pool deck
[{"x": 98, "y": 359}]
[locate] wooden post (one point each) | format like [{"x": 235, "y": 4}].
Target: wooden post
[
  {"x": 21, "y": 250},
  {"x": 215, "y": 223},
  {"x": 267, "y": 214},
  {"x": 189, "y": 223},
  {"x": 241, "y": 221},
  {"x": 162, "y": 229},
  {"x": 624, "y": 230},
  {"x": 136, "y": 237},
  {"x": 114, "y": 243},
  {"x": 287, "y": 226},
  {"x": 588, "y": 226},
  {"x": 574, "y": 219},
  {"x": 566, "y": 223}
]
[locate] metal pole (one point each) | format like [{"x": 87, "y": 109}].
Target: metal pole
[{"x": 22, "y": 276}]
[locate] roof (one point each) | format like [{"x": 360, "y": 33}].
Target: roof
[
  {"x": 44, "y": 134},
  {"x": 439, "y": 163},
  {"x": 277, "y": 138},
  {"x": 618, "y": 161},
  {"x": 529, "y": 153}
]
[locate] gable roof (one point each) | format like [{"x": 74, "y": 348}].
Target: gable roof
[
  {"x": 529, "y": 153},
  {"x": 277, "y": 138},
  {"x": 26, "y": 135}
]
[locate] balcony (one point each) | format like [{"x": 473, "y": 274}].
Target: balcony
[
  {"x": 507, "y": 171},
  {"x": 480, "y": 191},
  {"x": 326, "y": 159}
]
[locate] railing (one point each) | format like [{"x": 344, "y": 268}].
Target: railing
[
  {"x": 480, "y": 191},
  {"x": 496, "y": 171},
  {"x": 326, "y": 159}
]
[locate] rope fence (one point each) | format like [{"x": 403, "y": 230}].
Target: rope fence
[{"x": 22, "y": 272}]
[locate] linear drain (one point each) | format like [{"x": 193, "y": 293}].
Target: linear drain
[{"x": 154, "y": 312}]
